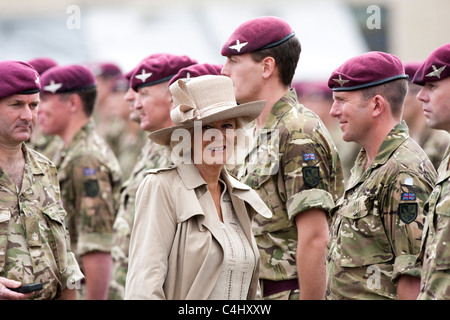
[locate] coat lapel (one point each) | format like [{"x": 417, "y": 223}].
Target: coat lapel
[{"x": 204, "y": 208}]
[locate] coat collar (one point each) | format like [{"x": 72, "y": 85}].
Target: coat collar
[{"x": 192, "y": 179}]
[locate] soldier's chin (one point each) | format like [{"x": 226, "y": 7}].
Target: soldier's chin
[
  {"x": 22, "y": 136},
  {"x": 435, "y": 124}
]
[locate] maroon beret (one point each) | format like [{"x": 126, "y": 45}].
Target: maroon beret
[
  {"x": 314, "y": 89},
  {"x": 106, "y": 69},
  {"x": 17, "y": 77},
  {"x": 367, "y": 70},
  {"x": 257, "y": 34},
  {"x": 436, "y": 67},
  {"x": 158, "y": 69},
  {"x": 129, "y": 74},
  {"x": 69, "y": 78},
  {"x": 42, "y": 64},
  {"x": 195, "y": 70},
  {"x": 411, "y": 68}
]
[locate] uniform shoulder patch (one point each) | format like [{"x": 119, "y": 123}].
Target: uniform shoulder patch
[
  {"x": 311, "y": 176},
  {"x": 407, "y": 212},
  {"x": 91, "y": 188}
]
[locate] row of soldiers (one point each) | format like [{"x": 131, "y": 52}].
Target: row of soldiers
[{"x": 367, "y": 234}]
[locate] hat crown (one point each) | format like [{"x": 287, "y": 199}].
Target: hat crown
[
  {"x": 18, "y": 77},
  {"x": 436, "y": 67},
  {"x": 367, "y": 70},
  {"x": 200, "y": 97},
  {"x": 158, "y": 68},
  {"x": 67, "y": 78},
  {"x": 257, "y": 34}
]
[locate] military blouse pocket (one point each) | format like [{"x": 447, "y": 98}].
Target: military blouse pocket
[
  {"x": 5, "y": 216},
  {"x": 442, "y": 236},
  {"x": 55, "y": 217},
  {"x": 362, "y": 235}
]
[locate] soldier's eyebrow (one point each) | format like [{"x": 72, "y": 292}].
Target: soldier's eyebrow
[
  {"x": 22, "y": 102},
  {"x": 16, "y": 101}
]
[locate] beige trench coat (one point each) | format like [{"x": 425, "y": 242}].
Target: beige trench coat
[{"x": 176, "y": 249}]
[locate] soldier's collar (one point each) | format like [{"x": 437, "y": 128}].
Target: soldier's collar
[
  {"x": 280, "y": 108},
  {"x": 35, "y": 167},
  {"x": 84, "y": 132},
  {"x": 392, "y": 141}
]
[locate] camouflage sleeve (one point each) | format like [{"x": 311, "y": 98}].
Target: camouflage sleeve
[
  {"x": 306, "y": 173},
  {"x": 404, "y": 216},
  {"x": 95, "y": 205},
  {"x": 71, "y": 274}
]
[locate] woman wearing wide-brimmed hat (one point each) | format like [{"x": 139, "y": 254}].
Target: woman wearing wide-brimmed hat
[{"x": 192, "y": 235}]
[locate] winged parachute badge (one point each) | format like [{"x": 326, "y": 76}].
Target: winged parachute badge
[
  {"x": 52, "y": 86},
  {"x": 341, "y": 81},
  {"x": 143, "y": 76},
  {"x": 238, "y": 46},
  {"x": 436, "y": 72}
]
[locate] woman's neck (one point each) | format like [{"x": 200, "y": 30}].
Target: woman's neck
[{"x": 210, "y": 173}]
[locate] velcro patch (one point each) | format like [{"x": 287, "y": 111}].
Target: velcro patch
[
  {"x": 91, "y": 188},
  {"x": 408, "y": 196},
  {"x": 89, "y": 171},
  {"x": 407, "y": 212},
  {"x": 311, "y": 176}
]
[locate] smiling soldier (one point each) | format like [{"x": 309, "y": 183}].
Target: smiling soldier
[{"x": 378, "y": 222}]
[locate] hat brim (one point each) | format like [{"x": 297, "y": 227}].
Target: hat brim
[{"x": 248, "y": 111}]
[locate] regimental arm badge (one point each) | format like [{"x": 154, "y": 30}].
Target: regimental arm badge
[
  {"x": 311, "y": 176},
  {"x": 91, "y": 188},
  {"x": 407, "y": 212}
]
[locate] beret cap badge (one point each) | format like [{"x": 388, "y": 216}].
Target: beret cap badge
[
  {"x": 341, "y": 81},
  {"x": 434, "y": 68},
  {"x": 143, "y": 76},
  {"x": 52, "y": 86},
  {"x": 238, "y": 46},
  {"x": 436, "y": 72}
]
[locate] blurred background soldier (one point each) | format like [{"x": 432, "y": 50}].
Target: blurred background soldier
[
  {"x": 89, "y": 172},
  {"x": 317, "y": 97},
  {"x": 43, "y": 143},
  {"x": 149, "y": 90}
]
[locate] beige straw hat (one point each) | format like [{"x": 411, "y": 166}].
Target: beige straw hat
[{"x": 207, "y": 98}]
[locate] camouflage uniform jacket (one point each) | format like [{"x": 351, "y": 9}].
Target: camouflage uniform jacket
[
  {"x": 377, "y": 229},
  {"x": 434, "y": 143},
  {"x": 153, "y": 156},
  {"x": 435, "y": 253},
  {"x": 293, "y": 166},
  {"x": 89, "y": 176},
  {"x": 34, "y": 240}
]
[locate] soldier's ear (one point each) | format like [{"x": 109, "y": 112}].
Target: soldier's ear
[
  {"x": 75, "y": 102},
  {"x": 378, "y": 105},
  {"x": 268, "y": 67}
]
